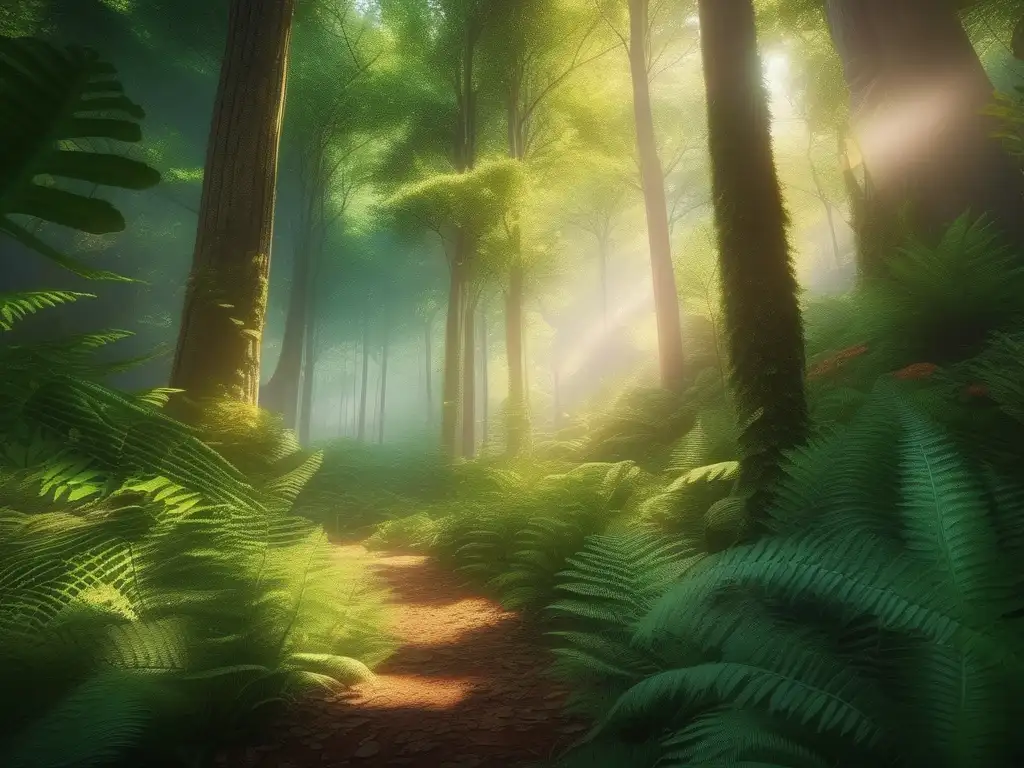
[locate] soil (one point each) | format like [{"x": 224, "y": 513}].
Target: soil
[{"x": 465, "y": 689}]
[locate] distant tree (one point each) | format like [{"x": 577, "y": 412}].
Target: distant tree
[{"x": 324, "y": 132}]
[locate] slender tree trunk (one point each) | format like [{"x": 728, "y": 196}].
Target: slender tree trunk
[
  {"x": 361, "y": 427},
  {"x": 516, "y": 413},
  {"x": 452, "y": 360},
  {"x": 343, "y": 395},
  {"x": 464, "y": 157},
  {"x": 427, "y": 373},
  {"x": 666, "y": 299},
  {"x": 218, "y": 350},
  {"x": 469, "y": 380},
  {"x": 383, "y": 381},
  {"x": 308, "y": 373},
  {"x": 761, "y": 310},
  {"x": 281, "y": 393},
  {"x": 354, "y": 397},
  {"x": 917, "y": 92},
  {"x": 484, "y": 377}
]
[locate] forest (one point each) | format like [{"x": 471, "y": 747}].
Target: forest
[{"x": 507, "y": 383}]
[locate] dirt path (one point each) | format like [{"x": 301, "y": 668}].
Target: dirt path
[{"x": 464, "y": 689}]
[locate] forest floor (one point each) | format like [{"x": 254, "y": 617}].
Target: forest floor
[{"x": 464, "y": 689}]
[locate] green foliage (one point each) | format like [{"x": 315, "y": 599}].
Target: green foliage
[
  {"x": 155, "y": 599},
  {"x": 641, "y": 426},
  {"x": 476, "y": 201},
  {"x": 610, "y": 584},
  {"x": 52, "y": 98},
  {"x": 514, "y": 538},
  {"x": 868, "y": 629},
  {"x": 17, "y": 306}
]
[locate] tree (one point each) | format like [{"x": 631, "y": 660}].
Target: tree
[
  {"x": 218, "y": 351},
  {"x": 918, "y": 92},
  {"x": 534, "y": 47},
  {"x": 600, "y": 202},
  {"x": 440, "y": 40},
  {"x": 637, "y": 42},
  {"x": 322, "y": 141},
  {"x": 762, "y": 313}
]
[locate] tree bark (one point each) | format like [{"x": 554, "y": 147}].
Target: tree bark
[
  {"x": 469, "y": 379},
  {"x": 666, "y": 298},
  {"x": 917, "y": 91},
  {"x": 361, "y": 427},
  {"x": 218, "y": 350},
  {"x": 761, "y": 309}
]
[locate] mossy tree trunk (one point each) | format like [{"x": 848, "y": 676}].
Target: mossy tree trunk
[
  {"x": 761, "y": 310},
  {"x": 218, "y": 350}
]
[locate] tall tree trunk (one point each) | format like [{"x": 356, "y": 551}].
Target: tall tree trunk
[
  {"x": 484, "y": 377},
  {"x": 874, "y": 228},
  {"x": 354, "y": 397},
  {"x": 427, "y": 365},
  {"x": 361, "y": 427},
  {"x": 464, "y": 157},
  {"x": 383, "y": 381},
  {"x": 516, "y": 413},
  {"x": 308, "y": 372},
  {"x": 917, "y": 91},
  {"x": 218, "y": 350},
  {"x": 281, "y": 393},
  {"x": 761, "y": 311},
  {"x": 666, "y": 298},
  {"x": 343, "y": 395},
  {"x": 452, "y": 359},
  {"x": 469, "y": 380}
]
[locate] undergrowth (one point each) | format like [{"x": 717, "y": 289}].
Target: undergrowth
[{"x": 156, "y": 601}]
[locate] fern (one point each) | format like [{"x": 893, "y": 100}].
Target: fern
[
  {"x": 15, "y": 307},
  {"x": 873, "y": 627}
]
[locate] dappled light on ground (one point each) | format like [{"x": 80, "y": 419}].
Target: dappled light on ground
[
  {"x": 465, "y": 689},
  {"x": 394, "y": 691}
]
